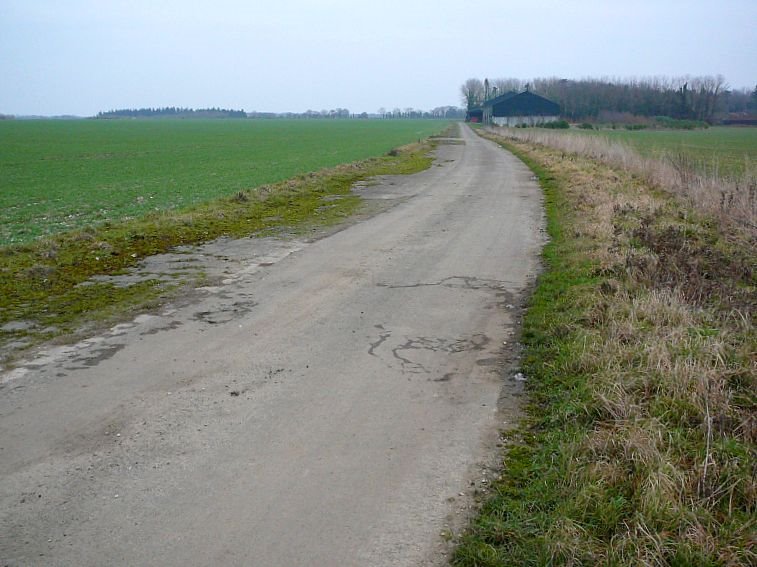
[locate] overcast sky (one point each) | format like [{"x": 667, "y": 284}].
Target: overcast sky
[{"x": 84, "y": 56}]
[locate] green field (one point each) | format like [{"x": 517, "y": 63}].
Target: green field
[
  {"x": 61, "y": 175},
  {"x": 723, "y": 151}
]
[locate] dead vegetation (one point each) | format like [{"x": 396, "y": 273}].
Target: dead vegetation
[
  {"x": 640, "y": 352},
  {"x": 731, "y": 200}
]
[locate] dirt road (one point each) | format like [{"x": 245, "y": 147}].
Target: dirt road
[{"x": 327, "y": 403}]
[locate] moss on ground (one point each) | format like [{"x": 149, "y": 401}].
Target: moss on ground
[{"x": 42, "y": 295}]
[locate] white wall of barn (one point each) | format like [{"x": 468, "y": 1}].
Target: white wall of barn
[{"x": 529, "y": 120}]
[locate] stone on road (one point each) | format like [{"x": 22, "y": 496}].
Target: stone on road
[{"x": 325, "y": 404}]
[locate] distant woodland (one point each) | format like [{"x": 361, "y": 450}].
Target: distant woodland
[
  {"x": 689, "y": 98},
  {"x": 448, "y": 112},
  {"x": 441, "y": 112},
  {"x": 172, "y": 112}
]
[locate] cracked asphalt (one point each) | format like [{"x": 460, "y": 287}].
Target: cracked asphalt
[{"x": 326, "y": 402}]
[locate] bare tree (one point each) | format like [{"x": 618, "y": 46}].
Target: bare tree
[
  {"x": 472, "y": 92},
  {"x": 508, "y": 84},
  {"x": 698, "y": 98}
]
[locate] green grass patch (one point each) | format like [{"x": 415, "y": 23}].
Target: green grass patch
[
  {"x": 56, "y": 176},
  {"x": 639, "y": 442}
]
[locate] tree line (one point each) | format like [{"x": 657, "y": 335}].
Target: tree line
[
  {"x": 689, "y": 98},
  {"x": 451, "y": 112},
  {"x": 172, "y": 112},
  {"x": 448, "y": 112}
]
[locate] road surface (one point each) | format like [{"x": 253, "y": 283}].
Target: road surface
[{"x": 328, "y": 402}]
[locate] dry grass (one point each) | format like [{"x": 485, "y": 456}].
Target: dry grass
[
  {"x": 641, "y": 356},
  {"x": 733, "y": 200}
]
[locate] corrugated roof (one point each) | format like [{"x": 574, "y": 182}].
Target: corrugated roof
[
  {"x": 500, "y": 98},
  {"x": 524, "y": 104}
]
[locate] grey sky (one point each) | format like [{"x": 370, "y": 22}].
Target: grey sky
[{"x": 83, "y": 56}]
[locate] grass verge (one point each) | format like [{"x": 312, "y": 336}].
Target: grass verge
[
  {"x": 732, "y": 199},
  {"x": 639, "y": 442},
  {"x": 42, "y": 295}
]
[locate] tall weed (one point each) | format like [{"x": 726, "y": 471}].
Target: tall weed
[{"x": 731, "y": 200}]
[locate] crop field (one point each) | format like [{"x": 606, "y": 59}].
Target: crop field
[
  {"x": 61, "y": 175},
  {"x": 720, "y": 151}
]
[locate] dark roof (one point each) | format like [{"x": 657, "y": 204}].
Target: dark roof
[
  {"x": 523, "y": 104},
  {"x": 500, "y": 98}
]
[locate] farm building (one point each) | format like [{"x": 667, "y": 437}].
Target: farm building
[
  {"x": 475, "y": 115},
  {"x": 512, "y": 109}
]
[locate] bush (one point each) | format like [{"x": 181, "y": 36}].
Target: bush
[
  {"x": 635, "y": 126},
  {"x": 557, "y": 125},
  {"x": 677, "y": 124},
  {"x": 586, "y": 126}
]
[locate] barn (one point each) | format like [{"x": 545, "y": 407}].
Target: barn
[
  {"x": 475, "y": 115},
  {"x": 513, "y": 109}
]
